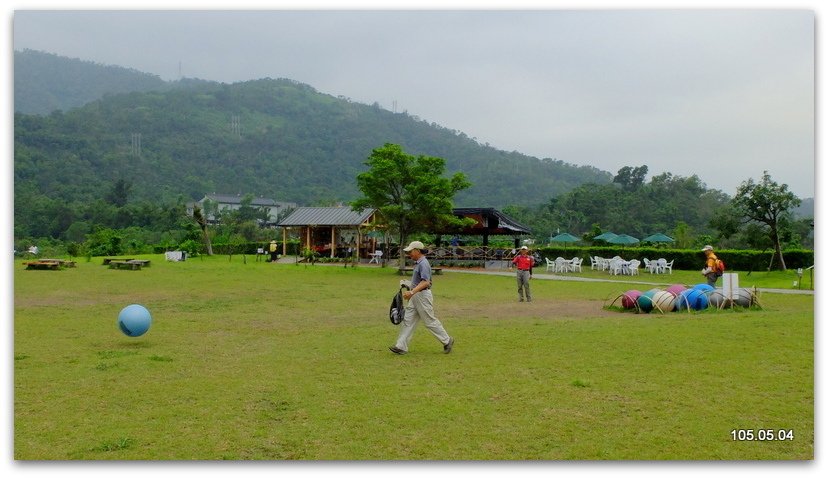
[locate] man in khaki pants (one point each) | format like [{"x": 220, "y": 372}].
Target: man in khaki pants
[
  {"x": 420, "y": 304},
  {"x": 524, "y": 263}
]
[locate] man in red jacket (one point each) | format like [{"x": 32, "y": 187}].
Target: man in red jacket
[{"x": 524, "y": 263}]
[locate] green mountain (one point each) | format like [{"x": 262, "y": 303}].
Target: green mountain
[
  {"x": 273, "y": 138},
  {"x": 44, "y": 82}
]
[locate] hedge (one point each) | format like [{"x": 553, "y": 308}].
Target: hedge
[
  {"x": 686, "y": 259},
  {"x": 249, "y": 248}
]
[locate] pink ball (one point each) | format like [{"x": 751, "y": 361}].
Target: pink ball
[
  {"x": 629, "y": 298},
  {"x": 676, "y": 289}
]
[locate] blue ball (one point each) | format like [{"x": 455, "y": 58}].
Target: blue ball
[
  {"x": 134, "y": 320},
  {"x": 694, "y": 299}
]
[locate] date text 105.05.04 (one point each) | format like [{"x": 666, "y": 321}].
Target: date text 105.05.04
[{"x": 761, "y": 434}]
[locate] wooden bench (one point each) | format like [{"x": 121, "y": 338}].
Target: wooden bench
[
  {"x": 130, "y": 264},
  {"x": 42, "y": 265},
  {"x": 108, "y": 260},
  {"x": 62, "y": 262},
  {"x": 49, "y": 264},
  {"x": 408, "y": 270}
]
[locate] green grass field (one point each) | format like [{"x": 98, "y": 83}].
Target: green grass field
[{"x": 255, "y": 361}]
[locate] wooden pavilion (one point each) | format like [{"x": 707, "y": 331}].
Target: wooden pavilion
[
  {"x": 488, "y": 222},
  {"x": 331, "y": 231}
]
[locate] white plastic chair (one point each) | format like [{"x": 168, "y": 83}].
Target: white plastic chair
[
  {"x": 576, "y": 264},
  {"x": 594, "y": 263},
  {"x": 375, "y": 257},
  {"x": 616, "y": 266},
  {"x": 561, "y": 265},
  {"x": 633, "y": 267},
  {"x": 666, "y": 266},
  {"x": 549, "y": 264}
]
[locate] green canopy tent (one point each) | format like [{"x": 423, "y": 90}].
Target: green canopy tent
[
  {"x": 623, "y": 239},
  {"x": 565, "y": 237},
  {"x": 658, "y": 237},
  {"x": 605, "y": 236}
]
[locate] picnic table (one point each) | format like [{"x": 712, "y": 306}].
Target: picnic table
[
  {"x": 131, "y": 264},
  {"x": 48, "y": 264},
  {"x": 107, "y": 260}
]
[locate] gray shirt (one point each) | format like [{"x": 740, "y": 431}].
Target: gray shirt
[{"x": 422, "y": 271}]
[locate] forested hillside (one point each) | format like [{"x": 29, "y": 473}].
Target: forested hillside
[
  {"x": 44, "y": 82},
  {"x": 120, "y": 168},
  {"x": 274, "y": 138}
]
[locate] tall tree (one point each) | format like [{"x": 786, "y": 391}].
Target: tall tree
[
  {"x": 631, "y": 178},
  {"x": 410, "y": 192},
  {"x": 202, "y": 223},
  {"x": 118, "y": 195},
  {"x": 767, "y": 204}
]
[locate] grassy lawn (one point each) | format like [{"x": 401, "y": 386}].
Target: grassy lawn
[
  {"x": 762, "y": 279},
  {"x": 255, "y": 361}
]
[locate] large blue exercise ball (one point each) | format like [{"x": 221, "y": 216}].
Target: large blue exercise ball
[
  {"x": 695, "y": 299},
  {"x": 134, "y": 320},
  {"x": 703, "y": 287}
]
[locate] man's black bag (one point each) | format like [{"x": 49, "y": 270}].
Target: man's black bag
[{"x": 397, "y": 311}]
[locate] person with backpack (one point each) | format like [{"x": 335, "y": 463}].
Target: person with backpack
[
  {"x": 713, "y": 266},
  {"x": 274, "y": 251},
  {"x": 420, "y": 304}
]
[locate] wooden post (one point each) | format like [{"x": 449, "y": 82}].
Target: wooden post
[
  {"x": 284, "y": 241},
  {"x": 333, "y": 242}
]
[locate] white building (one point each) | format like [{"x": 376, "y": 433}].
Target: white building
[{"x": 231, "y": 202}]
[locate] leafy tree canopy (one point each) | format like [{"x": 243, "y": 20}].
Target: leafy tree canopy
[
  {"x": 410, "y": 192},
  {"x": 768, "y": 204}
]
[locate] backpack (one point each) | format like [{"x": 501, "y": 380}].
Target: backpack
[
  {"x": 397, "y": 310},
  {"x": 720, "y": 267}
]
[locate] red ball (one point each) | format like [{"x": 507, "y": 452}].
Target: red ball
[{"x": 629, "y": 298}]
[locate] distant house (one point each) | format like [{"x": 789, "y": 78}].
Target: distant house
[
  {"x": 230, "y": 202},
  {"x": 331, "y": 231}
]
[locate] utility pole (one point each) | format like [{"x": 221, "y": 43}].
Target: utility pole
[
  {"x": 235, "y": 125},
  {"x": 136, "y": 144}
]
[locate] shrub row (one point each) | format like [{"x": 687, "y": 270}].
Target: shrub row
[
  {"x": 687, "y": 259},
  {"x": 249, "y": 248}
]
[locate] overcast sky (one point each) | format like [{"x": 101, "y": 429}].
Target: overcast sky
[{"x": 724, "y": 94}]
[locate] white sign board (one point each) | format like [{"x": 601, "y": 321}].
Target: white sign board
[{"x": 730, "y": 283}]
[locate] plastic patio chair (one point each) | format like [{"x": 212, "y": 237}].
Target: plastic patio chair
[
  {"x": 576, "y": 264},
  {"x": 375, "y": 257}
]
